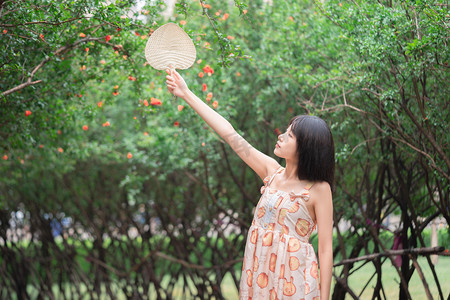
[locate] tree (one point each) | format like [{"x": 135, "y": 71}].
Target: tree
[{"x": 125, "y": 188}]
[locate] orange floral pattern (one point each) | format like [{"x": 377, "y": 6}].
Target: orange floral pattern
[{"x": 279, "y": 262}]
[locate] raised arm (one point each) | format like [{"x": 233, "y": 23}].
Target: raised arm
[{"x": 262, "y": 164}]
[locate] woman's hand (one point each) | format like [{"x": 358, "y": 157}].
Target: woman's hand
[{"x": 176, "y": 84}]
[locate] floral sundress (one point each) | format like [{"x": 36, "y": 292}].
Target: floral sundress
[{"x": 279, "y": 262}]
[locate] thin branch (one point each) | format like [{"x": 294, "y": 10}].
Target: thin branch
[
  {"x": 42, "y": 63},
  {"x": 43, "y": 22},
  {"x": 417, "y": 251}
]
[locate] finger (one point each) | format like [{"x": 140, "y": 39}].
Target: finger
[
  {"x": 171, "y": 85},
  {"x": 175, "y": 74},
  {"x": 168, "y": 71}
]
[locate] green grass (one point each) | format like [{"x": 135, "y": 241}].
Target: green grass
[
  {"x": 356, "y": 281},
  {"x": 391, "y": 280}
]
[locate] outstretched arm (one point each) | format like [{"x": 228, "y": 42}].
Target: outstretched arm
[{"x": 262, "y": 164}]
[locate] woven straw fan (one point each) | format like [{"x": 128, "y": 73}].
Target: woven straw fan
[{"x": 170, "y": 47}]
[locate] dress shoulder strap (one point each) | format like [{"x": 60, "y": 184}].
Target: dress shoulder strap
[
  {"x": 308, "y": 186},
  {"x": 274, "y": 174}
]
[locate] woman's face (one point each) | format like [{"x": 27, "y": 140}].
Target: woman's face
[{"x": 286, "y": 146}]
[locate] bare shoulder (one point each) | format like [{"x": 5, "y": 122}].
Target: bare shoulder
[{"x": 321, "y": 193}]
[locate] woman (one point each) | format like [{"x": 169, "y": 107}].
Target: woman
[{"x": 279, "y": 262}]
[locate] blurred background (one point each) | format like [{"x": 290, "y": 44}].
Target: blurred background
[{"x": 112, "y": 189}]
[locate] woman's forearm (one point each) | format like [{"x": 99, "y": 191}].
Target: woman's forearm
[
  {"x": 326, "y": 267},
  {"x": 218, "y": 123}
]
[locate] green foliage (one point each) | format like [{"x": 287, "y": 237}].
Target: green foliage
[{"x": 109, "y": 148}]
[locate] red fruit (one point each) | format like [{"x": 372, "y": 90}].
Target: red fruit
[
  {"x": 176, "y": 123},
  {"x": 5, "y": 157},
  {"x": 277, "y": 131},
  {"x": 129, "y": 155},
  {"x": 204, "y": 87},
  {"x": 107, "y": 38},
  {"x": 27, "y": 113},
  {"x": 60, "y": 150},
  {"x": 201, "y": 74},
  {"x": 85, "y": 127}
]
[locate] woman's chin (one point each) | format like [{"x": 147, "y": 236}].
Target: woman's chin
[{"x": 275, "y": 151}]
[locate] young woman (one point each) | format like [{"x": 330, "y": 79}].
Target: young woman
[{"x": 279, "y": 262}]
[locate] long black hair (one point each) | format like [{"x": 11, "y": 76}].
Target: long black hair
[{"x": 315, "y": 149}]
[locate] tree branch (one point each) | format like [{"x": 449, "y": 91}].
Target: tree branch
[{"x": 417, "y": 251}]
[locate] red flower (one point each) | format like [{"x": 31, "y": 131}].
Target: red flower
[
  {"x": 5, "y": 157},
  {"x": 154, "y": 101},
  {"x": 107, "y": 38},
  {"x": 136, "y": 33},
  {"x": 208, "y": 70},
  {"x": 41, "y": 36},
  {"x": 85, "y": 127},
  {"x": 100, "y": 104},
  {"x": 204, "y": 87},
  {"x": 129, "y": 155},
  {"x": 201, "y": 74},
  {"x": 277, "y": 131},
  {"x": 132, "y": 78},
  {"x": 106, "y": 124},
  {"x": 176, "y": 123},
  {"x": 145, "y": 102},
  {"x": 27, "y": 113}
]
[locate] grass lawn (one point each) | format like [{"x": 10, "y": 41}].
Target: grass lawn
[
  {"x": 390, "y": 281},
  {"x": 357, "y": 282}
]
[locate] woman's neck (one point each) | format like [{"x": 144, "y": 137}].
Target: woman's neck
[{"x": 290, "y": 171}]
